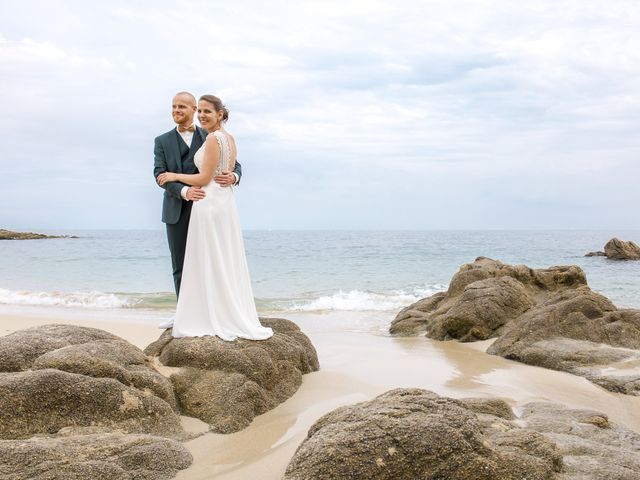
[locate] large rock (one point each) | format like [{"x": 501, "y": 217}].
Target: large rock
[
  {"x": 46, "y": 401},
  {"x": 482, "y": 298},
  {"x": 617, "y": 249},
  {"x": 74, "y": 387},
  {"x": 544, "y": 317},
  {"x": 86, "y": 351},
  {"x": 407, "y": 434},
  {"x": 580, "y": 334},
  {"x": 58, "y": 376},
  {"x": 411, "y": 433},
  {"x": 95, "y": 457},
  {"x": 227, "y": 384},
  {"x": 592, "y": 447}
]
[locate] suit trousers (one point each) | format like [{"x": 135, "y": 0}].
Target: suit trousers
[{"x": 177, "y": 237}]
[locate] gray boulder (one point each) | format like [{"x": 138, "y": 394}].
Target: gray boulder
[
  {"x": 544, "y": 317},
  {"x": 74, "y": 387},
  {"x": 579, "y": 334},
  {"x": 46, "y": 401},
  {"x": 592, "y": 447},
  {"x": 86, "y": 351},
  {"x": 482, "y": 298},
  {"x": 227, "y": 384},
  {"x": 20, "y": 349},
  {"x": 617, "y": 249},
  {"x": 412, "y": 433},
  {"x": 96, "y": 457},
  {"x": 407, "y": 434}
]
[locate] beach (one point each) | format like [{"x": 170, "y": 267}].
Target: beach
[{"x": 356, "y": 366}]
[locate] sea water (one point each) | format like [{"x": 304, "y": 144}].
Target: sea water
[{"x": 126, "y": 273}]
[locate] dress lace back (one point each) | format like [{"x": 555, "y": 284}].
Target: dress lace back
[
  {"x": 227, "y": 157},
  {"x": 228, "y": 154}
]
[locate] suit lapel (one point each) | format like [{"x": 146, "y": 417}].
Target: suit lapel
[
  {"x": 176, "y": 150},
  {"x": 196, "y": 141}
]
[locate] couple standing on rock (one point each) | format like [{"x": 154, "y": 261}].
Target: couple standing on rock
[{"x": 197, "y": 167}]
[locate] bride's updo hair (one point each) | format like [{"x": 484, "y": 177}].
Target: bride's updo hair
[{"x": 217, "y": 105}]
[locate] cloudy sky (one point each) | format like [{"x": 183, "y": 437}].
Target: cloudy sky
[{"x": 476, "y": 114}]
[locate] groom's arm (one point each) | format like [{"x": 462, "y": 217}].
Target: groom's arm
[{"x": 160, "y": 166}]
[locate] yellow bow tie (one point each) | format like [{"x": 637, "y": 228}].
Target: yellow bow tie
[{"x": 190, "y": 128}]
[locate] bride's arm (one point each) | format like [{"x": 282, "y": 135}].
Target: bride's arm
[{"x": 209, "y": 164}]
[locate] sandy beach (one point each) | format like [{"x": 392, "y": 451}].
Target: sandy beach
[{"x": 356, "y": 366}]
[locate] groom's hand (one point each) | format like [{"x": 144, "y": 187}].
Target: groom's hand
[
  {"x": 195, "y": 193},
  {"x": 225, "y": 179}
]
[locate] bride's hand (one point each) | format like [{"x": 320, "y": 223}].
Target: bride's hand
[{"x": 166, "y": 177}]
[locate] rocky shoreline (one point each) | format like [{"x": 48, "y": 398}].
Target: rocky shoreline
[
  {"x": 79, "y": 402},
  {"x": 543, "y": 317},
  {"x": 10, "y": 235}
]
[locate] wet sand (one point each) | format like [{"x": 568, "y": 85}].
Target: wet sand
[{"x": 356, "y": 366}]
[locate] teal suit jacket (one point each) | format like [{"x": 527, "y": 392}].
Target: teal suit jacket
[{"x": 167, "y": 158}]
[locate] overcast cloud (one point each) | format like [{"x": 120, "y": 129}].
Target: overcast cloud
[{"x": 348, "y": 114}]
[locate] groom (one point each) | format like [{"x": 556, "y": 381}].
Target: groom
[{"x": 173, "y": 152}]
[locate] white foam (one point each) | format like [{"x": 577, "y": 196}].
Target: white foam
[
  {"x": 66, "y": 299},
  {"x": 354, "y": 300},
  {"x": 357, "y": 300}
]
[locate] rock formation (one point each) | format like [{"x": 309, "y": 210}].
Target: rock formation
[
  {"x": 9, "y": 235},
  {"x": 110, "y": 456},
  {"x": 616, "y": 249},
  {"x": 74, "y": 387},
  {"x": 227, "y": 384},
  {"x": 544, "y": 317},
  {"x": 406, "y": 434}
]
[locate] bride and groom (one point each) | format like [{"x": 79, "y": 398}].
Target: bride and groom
[{"x": 197, "y": 167}]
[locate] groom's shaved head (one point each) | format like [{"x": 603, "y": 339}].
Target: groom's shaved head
[
  {"x": 183, "y": 108},
  {"x": 185, "y": 96}
]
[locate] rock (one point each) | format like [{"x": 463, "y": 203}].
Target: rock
[
  {"x": 543, "y": 317},
  {"x": 482, "y": 297},
  {"x": 617, "y": 249},
  {"x": 86, "y": 351},
  {"x": 20, "y": 349},
  {"x": 595, "y": 254},
  {"x": 46, "y": 401},
  {"x": 407, "y": 434},
  {"x": 580, "y": 334},
  {"x": 592, "y": 447},
  {"x": 87, "y": 395},
  {"x": 9, "y": 235},
  {"x": 58, "y": 376},
  {"x": 227, "y": 384},
  {"x": 411, "y": 433},
  {"x": 95, "y": 457}
]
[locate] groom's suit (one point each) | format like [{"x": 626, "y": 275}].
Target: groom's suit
[{"x": 172, "y": 154}]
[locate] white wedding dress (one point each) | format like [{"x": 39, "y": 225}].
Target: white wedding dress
[{"x": 215, "y": 295}]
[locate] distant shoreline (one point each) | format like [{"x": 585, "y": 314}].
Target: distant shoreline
[{"x": 10, "y": 235}]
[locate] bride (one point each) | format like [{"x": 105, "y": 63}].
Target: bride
[{"x": 216, "y": 296}]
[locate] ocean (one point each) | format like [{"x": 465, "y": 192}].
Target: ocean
[{"x": 353, "y": 275}]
